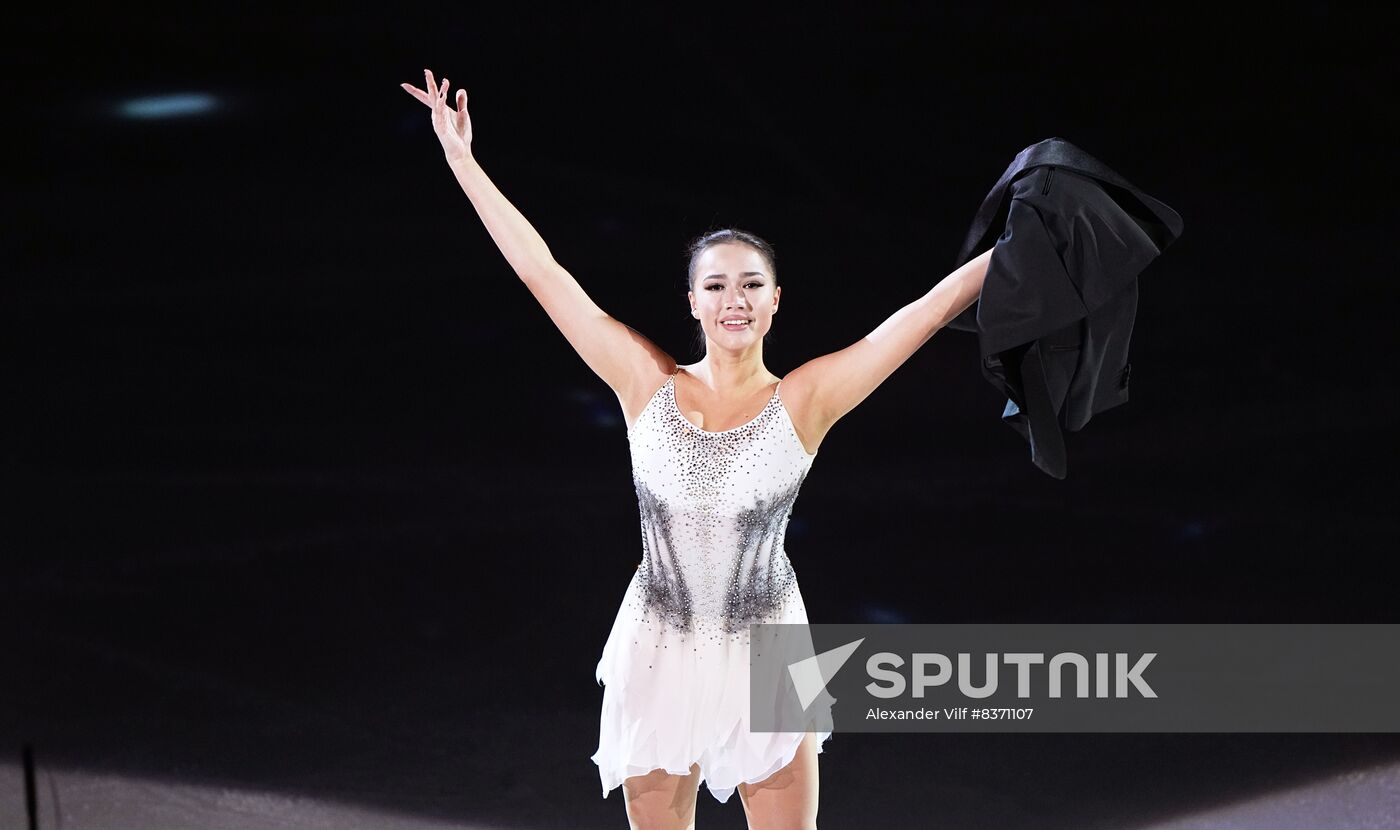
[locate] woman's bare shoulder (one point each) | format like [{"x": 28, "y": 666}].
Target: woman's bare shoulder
[
  {"x": 796, "y": 393},
  {"x": 797, "y": 385},
  {"x": 645, "y": 384}
]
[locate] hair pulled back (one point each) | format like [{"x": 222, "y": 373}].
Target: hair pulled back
[{"x": 723, "y": 236}]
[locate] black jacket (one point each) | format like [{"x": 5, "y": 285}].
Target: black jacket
[{"x": 1060, "y": 297}]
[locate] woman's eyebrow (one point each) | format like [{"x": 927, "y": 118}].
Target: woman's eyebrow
[{"x": 745, "y": 274}]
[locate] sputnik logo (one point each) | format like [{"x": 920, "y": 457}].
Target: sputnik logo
[{"x": 810, "y": 676}]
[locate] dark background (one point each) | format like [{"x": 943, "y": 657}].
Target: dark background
[{"x": 306, "y": 494}]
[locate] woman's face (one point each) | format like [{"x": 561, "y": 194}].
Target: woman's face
[{"x": 731, "y": 282}]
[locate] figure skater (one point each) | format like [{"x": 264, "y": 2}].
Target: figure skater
[{"x": 718, "y": 455}]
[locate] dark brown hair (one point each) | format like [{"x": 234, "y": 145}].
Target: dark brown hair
[{"x": 701, "y": 243}]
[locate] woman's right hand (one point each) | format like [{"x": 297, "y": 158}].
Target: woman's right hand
[{"x": 453, "y": 127}]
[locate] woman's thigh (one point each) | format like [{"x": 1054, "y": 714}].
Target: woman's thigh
[
  {"x": 787, "y": 799},
  {"x": 661, "y": 801}
]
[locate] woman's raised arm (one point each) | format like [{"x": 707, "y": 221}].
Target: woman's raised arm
[
  {"x": 626, "y": 361},
  {"x": 832, "y": 385}
]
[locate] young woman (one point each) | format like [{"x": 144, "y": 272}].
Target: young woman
[{"x": 718, "y": 456}]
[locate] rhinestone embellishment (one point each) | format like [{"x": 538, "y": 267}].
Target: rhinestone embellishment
[{"x": 714, "y": 510}]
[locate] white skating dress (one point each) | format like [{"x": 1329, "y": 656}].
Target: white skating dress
[{"x": 714, "y": 509}]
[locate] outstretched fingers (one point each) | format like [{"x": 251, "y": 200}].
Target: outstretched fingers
[
  {"x": 452, "y": 126},
  {"x": 435, "y": 98}
]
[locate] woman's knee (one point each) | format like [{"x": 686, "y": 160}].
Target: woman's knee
[
  {"x": 787, "y": 799},
  {"x": 662, "y": 801}
]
